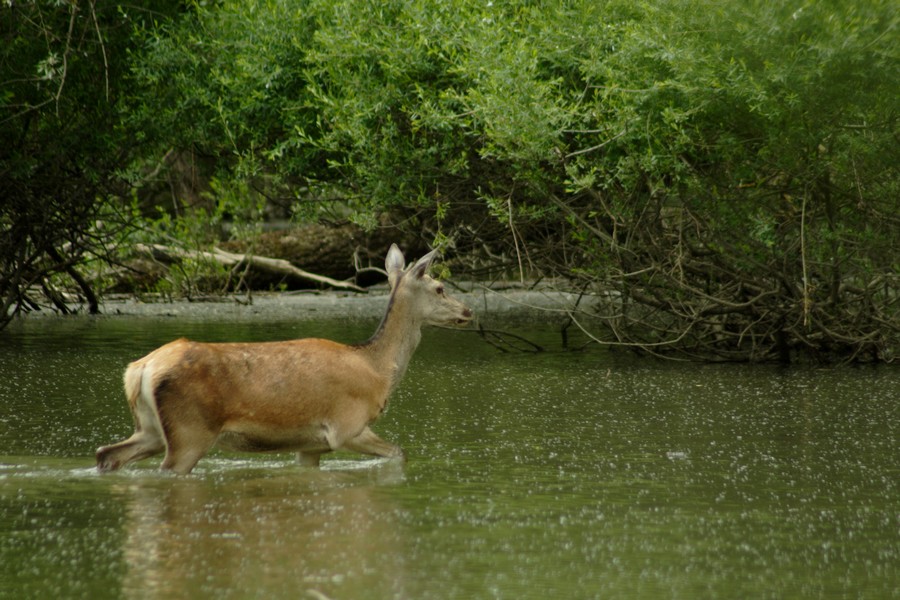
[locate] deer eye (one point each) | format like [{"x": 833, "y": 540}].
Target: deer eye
[{"x": 440, "y": 290}]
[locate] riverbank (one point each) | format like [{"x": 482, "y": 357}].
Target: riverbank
[{"x": 490, "y": 306}]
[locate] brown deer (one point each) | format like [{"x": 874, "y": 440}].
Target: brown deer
[{"x": 309, "y": 395}]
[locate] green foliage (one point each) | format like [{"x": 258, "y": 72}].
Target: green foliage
[
  {"x": 227, "y": 80},
  {"x": 697, "y": 156},
  {"x": 61, "y": 65}
]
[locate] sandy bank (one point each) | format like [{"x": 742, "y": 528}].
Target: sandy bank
[{"x": 489, "y": 306}]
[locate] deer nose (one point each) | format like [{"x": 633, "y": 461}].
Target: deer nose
[{"x": 467, "y": 313}]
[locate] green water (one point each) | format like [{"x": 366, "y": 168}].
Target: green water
[{"x": 557, "y": 475}]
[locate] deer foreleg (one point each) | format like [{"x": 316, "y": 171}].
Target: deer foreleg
[
  {"x": 369, "y": 443},
  {"x": 309, "y": 459}
]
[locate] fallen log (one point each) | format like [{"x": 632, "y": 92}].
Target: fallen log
[{"x": 262, "y": 264}]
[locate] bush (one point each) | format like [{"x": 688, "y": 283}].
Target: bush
[
  {"x": 61, "y": 196},
  {"x": 727, "y": 169}
]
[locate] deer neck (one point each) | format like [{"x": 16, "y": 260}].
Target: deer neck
[{"x": 391, "y": 347}]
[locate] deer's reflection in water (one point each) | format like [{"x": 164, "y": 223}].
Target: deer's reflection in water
[{"x": 283, "y": 532}]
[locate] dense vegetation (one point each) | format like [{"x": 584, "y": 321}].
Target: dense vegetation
[
  {"x": 63, "y": 71},
  {"x": 719, "y": 178}
]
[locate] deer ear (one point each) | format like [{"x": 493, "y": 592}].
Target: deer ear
[
  {"x": 393, "y": 264},
  {"x": 421, "y": 267}
]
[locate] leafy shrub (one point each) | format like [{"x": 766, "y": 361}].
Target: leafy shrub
[{"x": 729, "y": 169}]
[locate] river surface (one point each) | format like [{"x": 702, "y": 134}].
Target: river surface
[{"x": 553, "y": 475}]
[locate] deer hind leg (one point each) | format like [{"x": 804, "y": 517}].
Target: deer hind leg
[
  {"x": 188, "y": 438},
  {"x": 185, "y": 449},
  {"x": 189, "y": 431},
  {"x": 147, "y": 439},
  {"x": 141, "y": 445},
  {"x": 367, "y": 442},
  {"x": 182, "y": 460}
]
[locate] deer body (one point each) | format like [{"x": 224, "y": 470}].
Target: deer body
[{"x": 311, "y": 395}]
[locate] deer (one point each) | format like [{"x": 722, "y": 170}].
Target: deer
[{"x": 310, "y": 396}]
